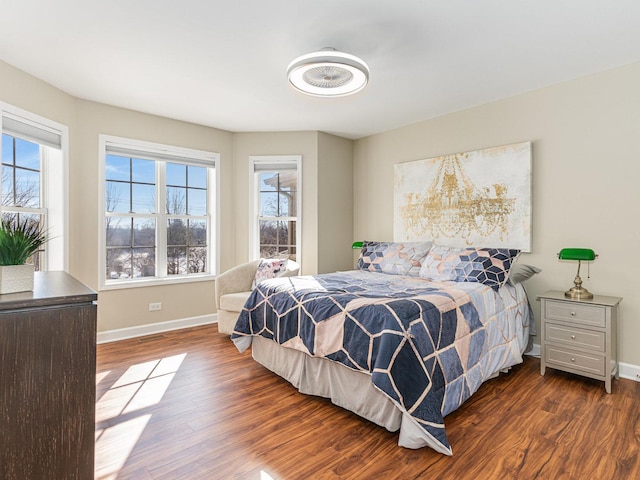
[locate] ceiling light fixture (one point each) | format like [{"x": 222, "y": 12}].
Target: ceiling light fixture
[{"x": 328, "y": 73}]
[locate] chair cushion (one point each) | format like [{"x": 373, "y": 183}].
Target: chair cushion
[{"x": 234, "y": 301}]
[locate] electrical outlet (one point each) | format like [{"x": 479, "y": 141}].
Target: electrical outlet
[{"x": 154, "y": 307}]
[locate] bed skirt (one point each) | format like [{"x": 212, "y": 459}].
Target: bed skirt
[{"x": 346, "y": 388}]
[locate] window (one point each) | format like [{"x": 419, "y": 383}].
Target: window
[
  {"x": 275, "y": 226},
  {"x": 158, "y": 212},
  {"x": 33, "y": 185}
]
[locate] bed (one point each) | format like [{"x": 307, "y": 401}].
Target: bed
[{"x": 399, "y": 349}]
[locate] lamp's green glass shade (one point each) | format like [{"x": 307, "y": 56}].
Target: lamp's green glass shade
[
  {"x": 356, "y": 245},
  {"x": 584, "y": 254}
]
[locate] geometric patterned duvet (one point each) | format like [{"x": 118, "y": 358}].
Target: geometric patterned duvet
[{"x": 428, "y": 346}]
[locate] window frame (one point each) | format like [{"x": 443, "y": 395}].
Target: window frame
[
  {"x": 272, "y": 163},
  {"x": 109, "y": 144},
  {"x": 54, "y": 179}
]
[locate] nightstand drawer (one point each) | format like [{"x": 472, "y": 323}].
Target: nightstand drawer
[
  {"x": 594, "y": 315},
  {"x": 575, "y": 337},
  {"x": 593, "y": 364}
]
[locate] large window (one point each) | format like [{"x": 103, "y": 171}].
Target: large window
[
  {"x": 33, "y": 185},
  {"x": 276, "y": 207},
  {"x": 159, "y": 204}
]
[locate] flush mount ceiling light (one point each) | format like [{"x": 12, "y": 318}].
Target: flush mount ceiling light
[{"x": 328, "y": 73}]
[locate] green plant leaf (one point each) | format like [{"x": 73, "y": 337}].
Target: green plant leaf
[{"x": 19, "y": 239}]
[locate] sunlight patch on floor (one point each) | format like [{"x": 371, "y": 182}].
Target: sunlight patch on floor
[
  {"x": 101, "y": 376},
  {"x": 121, "y": 439},
  {"x": 120, "y": 412}
]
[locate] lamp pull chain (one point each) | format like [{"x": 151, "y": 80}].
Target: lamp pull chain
[{"x": 588, "y": 270}]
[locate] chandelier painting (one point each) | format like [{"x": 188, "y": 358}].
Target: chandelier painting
[{"x": 480, "y": 198}]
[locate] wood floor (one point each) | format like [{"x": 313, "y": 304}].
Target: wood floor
[{"x": 187, "y": 405}]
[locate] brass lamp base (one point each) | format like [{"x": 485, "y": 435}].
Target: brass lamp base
[{"x": 578, "y": 293}]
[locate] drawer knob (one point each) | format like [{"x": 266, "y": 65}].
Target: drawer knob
[
  {"x": 573, "y": 337},
  {"x": 573, "y": 314}
]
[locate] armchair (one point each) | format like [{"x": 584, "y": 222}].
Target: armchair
[{"x": 233, "y": 287}]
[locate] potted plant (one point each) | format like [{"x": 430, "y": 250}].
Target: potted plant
[{"x": 19, "y": 240}]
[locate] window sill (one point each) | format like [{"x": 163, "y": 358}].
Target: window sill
[{"x": 155, "y": 282}]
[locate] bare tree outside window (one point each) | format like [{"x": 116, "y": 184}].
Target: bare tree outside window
[
  {"x": 130, "y": 238},
  {"x": 186, "y": 233},
  {"x": 133, "y": 224},
  {"x": 21, "y": 168},
  {"x": 277, "y": 214}
]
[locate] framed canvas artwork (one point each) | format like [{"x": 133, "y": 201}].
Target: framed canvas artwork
[{"x": 480, "y": 198}]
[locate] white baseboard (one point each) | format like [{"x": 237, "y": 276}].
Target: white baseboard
[
  {"x": 535, "y": 351},
  {"x": 152, "y": 328},
  {"x": 626, "y": 370}
]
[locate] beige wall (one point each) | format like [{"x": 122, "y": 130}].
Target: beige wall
[
  {"x": 280, "y": 143},
  {"x": 586, "y": 165},
  {"x": 31, "y": 94},
  {"x": 335, "y": 203},
  {"x": 129, "y": 306},
  {"x": 124, "y": 307},
  {"x": 327, "y": 199}
]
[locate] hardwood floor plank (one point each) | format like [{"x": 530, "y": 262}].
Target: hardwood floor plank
[{"x": 188, "y": 405}]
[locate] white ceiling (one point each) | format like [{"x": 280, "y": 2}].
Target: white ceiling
[{"x": 223, "y": 64}]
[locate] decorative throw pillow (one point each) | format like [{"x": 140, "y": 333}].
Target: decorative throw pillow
[
  {"x": 521, "y": 272},
  {"x": 269, "y": 268},
  {"x": 489, "y": 266},
  {"x": 396, "y": 258}
]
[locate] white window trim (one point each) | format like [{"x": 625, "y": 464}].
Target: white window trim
[
  {"x": 58, "y": 245},
  {"x": 192, "y": 156},
  {"x": 254, "y": 232}
]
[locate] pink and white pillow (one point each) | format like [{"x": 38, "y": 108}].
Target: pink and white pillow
[{"x": 269, "y": 268}]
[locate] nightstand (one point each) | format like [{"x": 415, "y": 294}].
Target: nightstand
[{"x": 580, "y": 336}]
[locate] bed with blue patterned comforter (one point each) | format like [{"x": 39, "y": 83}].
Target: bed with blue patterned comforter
[{"x": 427, "y": 346}]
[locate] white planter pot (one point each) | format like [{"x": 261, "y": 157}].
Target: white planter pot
[{"x": 16, "y": 278}]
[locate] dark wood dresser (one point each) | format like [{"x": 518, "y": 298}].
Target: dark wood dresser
[{"x": 47, "y": 380}]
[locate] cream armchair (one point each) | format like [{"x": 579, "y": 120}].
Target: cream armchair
[{"x": 233, "y": 288}]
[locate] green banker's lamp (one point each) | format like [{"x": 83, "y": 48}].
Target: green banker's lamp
[{"x": 577, "y": 292}]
